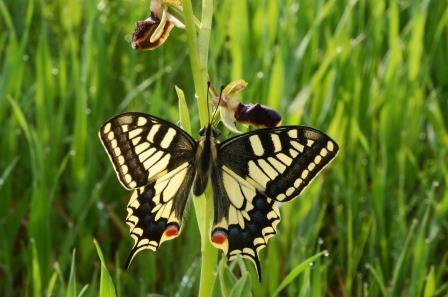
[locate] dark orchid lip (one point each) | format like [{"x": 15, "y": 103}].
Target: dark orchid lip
[
  {"x": 141, "y": 38},
  {"x": 232, "y": 110},
  {"x": 257, "y": 115}
]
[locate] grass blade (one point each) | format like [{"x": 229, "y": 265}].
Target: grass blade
[{"x": 107, "y": 288}]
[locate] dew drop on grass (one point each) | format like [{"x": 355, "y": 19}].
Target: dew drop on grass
[
  {"x": 139, "y": 67},
  {"x": 320, "y": 241},
  {"x": 100, "y": 205},
  {"x": 260, "y": 75},
  {"x": 311, "y": 265},
  {"x": 25, "y": 57},
  {"x": 326, "y": 253},
  {"x": 54, "y": 71},
  {"x": 101, "y": 5},
  {"x": 295, "y": 8}
]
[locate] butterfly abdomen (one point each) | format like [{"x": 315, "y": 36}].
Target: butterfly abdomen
[{"x": 206, "y": 149}]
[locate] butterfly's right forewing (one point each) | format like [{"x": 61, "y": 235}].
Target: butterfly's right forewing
[{"x": 141, "y": 147}]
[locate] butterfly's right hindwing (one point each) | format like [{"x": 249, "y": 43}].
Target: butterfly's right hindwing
[
  {"x": 155, "y": 211},
  {"x": 141, "y": 147}
]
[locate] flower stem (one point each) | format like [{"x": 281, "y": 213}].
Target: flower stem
[{"x": 198, "y": 49}]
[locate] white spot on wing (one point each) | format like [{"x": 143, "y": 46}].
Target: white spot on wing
[
  {"x": 249, "y": 193},
  {"x": 174, "y": 184},
  {"x": 233, "y": 216},
  {"x": 146, "y": 154},
  {"x": 136, "y": 140},
  {"x": 276, "y": 164},
  {"x": 106, "y": 128},
  {"x": 259, "y": 241},
  {"x": 249, "y": 251},
  {"x": 141, "y": 147},
  {"x": 297, "y": 146},
  {"x": 311, "y": 166},
  {"x": 270, "y": 171},
  {"x": 135, "y": 132},
  {"x": 298, "y": 182},
  {"x": 124, "y": 169},
  {"x": 141, "y": 121},
  {"x": 323, "y": 152},
  {"x": 292, "y": 133},
  {"x": 317, "y": 159},
  {"x": 233, "y": 190},
  {"x": 256, "y": 145},
  {"x": 137, "y": 231},
  {"x": 127, "y": 178},
  {"x": 309, "y": 142},
  {"x": 153, "y": 132},
  {"x": 281, "y": 197},
  {"x": 143, "y": 242},
  {"x": 168, "y": 138},
  {"x": 276, "y": 142},
  {"x": 284, "y": 158},
  {"x": 110, "y": 135},
  {"x": 257, "y": 175},
  {"x": 293, "y": 153},
  {"x": 304, "y": 174},
  {"x": 330, "y": 146},
  {"x": 167, "y": 210},
  {"x": 154, "y": 158},
  {"x": 159, "y": 166}
]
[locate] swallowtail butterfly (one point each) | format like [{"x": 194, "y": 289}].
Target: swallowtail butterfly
[{"x": 249, "y": 174}]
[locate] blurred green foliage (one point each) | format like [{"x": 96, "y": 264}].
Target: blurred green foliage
[{"x": 373, "y": 74}]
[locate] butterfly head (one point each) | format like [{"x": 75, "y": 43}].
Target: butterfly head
[{"x": 209, "y": 131}]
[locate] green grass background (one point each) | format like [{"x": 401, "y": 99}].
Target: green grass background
[{"x": 373, "y": 74}]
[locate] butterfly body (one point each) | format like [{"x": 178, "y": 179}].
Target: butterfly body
[
  {"x": 250, "y": 174},
  {"x": 206, "y": 151}
]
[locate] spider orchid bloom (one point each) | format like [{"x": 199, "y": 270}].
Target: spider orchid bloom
[
  {"x": 232, "y": 110},
  {"x": 152, "y": 32}
]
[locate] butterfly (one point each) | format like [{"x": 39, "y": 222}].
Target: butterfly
[{"x": 250, "y": 175}]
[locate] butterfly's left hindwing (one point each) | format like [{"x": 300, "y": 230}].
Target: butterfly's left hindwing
[
  {"x": 156, "y": 159},
  {"x": 255, "y": 170}
]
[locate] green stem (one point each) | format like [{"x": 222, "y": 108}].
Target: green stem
[{"x": 203, "y": 205}]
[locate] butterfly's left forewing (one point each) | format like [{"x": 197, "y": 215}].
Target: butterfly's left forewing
[
  {"x": 255, "y": 170},
  {"x": 156, "y": 159}
]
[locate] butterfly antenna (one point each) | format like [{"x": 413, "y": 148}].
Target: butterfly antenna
[
  {"x": 208, "y": 104},
  {"x": 219, "y": 101}
]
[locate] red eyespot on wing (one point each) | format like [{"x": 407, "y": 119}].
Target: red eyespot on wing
[
  {"x": 171, "y": 231},
  {"x": 219, "y": 237}
]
